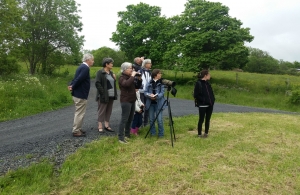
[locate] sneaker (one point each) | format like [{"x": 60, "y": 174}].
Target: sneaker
[
  {"x": 123, "y": 141},
  {"x": 127, "y": 138},
  {"x": 205, "y": 135},
  {"x": 200, "y": 136}
]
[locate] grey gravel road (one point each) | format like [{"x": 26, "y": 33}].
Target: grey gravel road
[{"x": 48, "y": 135}]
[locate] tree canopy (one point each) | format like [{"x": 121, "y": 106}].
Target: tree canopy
[
  {"x": 140, "y": 32},
  {"x": 203, "y": 36},
  {"x": 50, "y": 28},
  {"x": 42, "y": 32}
]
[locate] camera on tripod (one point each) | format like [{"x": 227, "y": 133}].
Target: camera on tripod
[{"x": 170, "y": 85}]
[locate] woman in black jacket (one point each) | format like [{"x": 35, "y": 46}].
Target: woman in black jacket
[
  {"x": 205, "y": 100},
  {"x": 106, "y": 93}
]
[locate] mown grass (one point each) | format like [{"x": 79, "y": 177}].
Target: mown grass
[{"x": 251, "y": 153}]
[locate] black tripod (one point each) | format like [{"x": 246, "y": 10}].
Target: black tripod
[{"x": 172, "y": 132}]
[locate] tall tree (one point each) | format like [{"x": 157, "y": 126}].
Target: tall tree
[
  {"x": 206, "y": 36},
  {"x": 140, "y": 31},
  {"x": 51, "y": 27}
]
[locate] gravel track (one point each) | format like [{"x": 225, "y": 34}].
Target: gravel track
[{"x": 48, "y": 135}]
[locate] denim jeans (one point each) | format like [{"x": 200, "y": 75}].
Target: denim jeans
[{"x": 153, "y": 111}]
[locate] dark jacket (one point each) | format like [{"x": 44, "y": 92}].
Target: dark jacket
[
  {"x": 81, "y": 82},
  {"x": 101, "y": 85},
  {"x": 127, "y": 88},
  {"x": 204, "y": 93},
  {"x": 136, "y": 67}
]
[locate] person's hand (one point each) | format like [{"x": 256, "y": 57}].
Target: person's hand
[
  {"x": 70, "y": 88},
  {"x": 133, "y": 73}
]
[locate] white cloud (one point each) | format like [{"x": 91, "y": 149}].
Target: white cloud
[{"x": 273, "y": 23}]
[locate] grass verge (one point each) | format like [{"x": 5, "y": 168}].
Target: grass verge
[{"x": 249, "y": 153}]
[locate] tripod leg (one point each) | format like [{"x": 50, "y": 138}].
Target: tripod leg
[{"x": 171, "y": 120}]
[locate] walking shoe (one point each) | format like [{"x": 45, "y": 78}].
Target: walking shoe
[
  {"x": 123, "y": 141},
  {"x": 205, "y": 135},
  {"x": 200, "y": 136}
]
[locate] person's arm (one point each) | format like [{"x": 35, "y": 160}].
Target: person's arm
[
  {"x": 161, "y": 92},
  {"x": 98, "y": 83}
]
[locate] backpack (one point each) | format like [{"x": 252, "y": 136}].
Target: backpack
[{"x": 195, "y": 99}]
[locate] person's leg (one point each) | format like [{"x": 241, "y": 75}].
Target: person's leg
[
  {"x": 160, "y": 123},
  {"x": 146, "y": 112},
  {"x": 139, "y": 120},
  {"x": 208, "y": 114},
  {"x": 201, "y": 119},
  {"x": 108, "y": 112},
  {"x": 129, "y": 121},
  {"x": 80, "y": 108},
  {"x": 101, "y": 114},
  {"x": 152, "y": 110},
  {"x": 126, "y": 107},
  {"x": 134, "y": 123}
]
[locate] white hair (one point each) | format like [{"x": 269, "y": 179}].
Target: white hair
[
  {"x": 87, "y": 57},
  {"x": 146, "y": 61},
  {"x": 125, "y": 66}
]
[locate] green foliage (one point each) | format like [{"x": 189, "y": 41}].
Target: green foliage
[
  {"x": 8, "y": 65},
  {"x": 141, "y": 32},
  {"x": 49, "y": 27},
  {"x": 208, "y": 37},
  {"x": 10, "y": 17},
  {"x": 295, "y": 97},
  {"x": 261, "y": 62},
  {"x": 105, "y": 52},
  {"x": 24, "y": 95}
]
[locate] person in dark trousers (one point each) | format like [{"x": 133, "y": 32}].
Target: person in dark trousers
[
  {"x": 127, "y": 99},
  {"x": 205, "y": 99},
  {"x": 106, "y": 94},
  {"x": 80, "y": 88}
]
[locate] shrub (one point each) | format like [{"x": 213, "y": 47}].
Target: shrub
[
  {"x": 8, "y": 65},
  {"x": 295, "y": 97}
]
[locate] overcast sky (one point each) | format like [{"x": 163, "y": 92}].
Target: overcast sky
[{"x": 275, "y": 24}]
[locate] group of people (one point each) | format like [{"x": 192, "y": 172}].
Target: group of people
[{"x": 141, "y": 97}]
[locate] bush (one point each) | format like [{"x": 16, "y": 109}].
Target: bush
[
  {"x": 8, "y": 65},
  {"x": 295, "y": 97}
]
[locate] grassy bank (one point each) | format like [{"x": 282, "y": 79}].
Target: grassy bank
[
  {"x": 244, "y": 154},
  {"x": 22, "y": 95}
]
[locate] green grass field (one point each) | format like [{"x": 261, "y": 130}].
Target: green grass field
[
  {"x": 245, "y": 153},
  {"x": 251, "y": 153}
]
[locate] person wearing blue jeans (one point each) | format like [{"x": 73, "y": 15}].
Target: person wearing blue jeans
[{"x": 154, "y": 93}]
